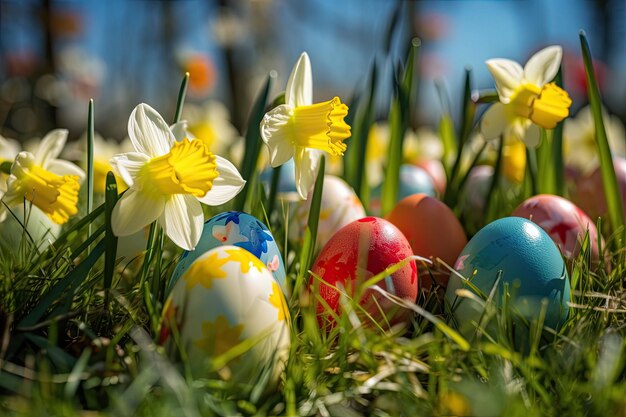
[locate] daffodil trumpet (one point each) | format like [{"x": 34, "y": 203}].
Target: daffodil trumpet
[
  {"x": 528, "y": 99},
  {"x": 302, "y": 130}
]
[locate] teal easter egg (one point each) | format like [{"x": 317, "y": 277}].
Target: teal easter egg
[
  {"x": 530, "y": 265},
  {"x": 413, "y": 180},
  {"x": 238, "y": 229}
]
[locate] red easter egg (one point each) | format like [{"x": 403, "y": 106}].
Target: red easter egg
[
  {"x": 589, "y": 191},
  {"x": 356, "y": 253},
  {"x": 563, "y": 221}
]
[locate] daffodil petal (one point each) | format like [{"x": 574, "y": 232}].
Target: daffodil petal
[
  {"x": 299, "y": 91},
  {"x": 134, "y": 211},
  {"x": 128, "y": 165},
  {"x": 226, "y": 186},
  {"x": 61, "y": 167},
  {"x": 305, "y": 161},
  {"x": 275, "y": 134},
  {"x": 183, "y": 220},
  {"x": 9, "y": 148},
  {"x": 532, "y": 136},
  {"x": 50, "y": 147},
  {"x": 148, "y": 132},
  {"x": 507, "y": 75},
  {"x": 542, "y": 67},
  {"x": 179, "y": 130},
  {"x": 493, "y": 122}
]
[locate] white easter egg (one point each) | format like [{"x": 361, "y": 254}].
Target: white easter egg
[{"x": 225, "y": 298}]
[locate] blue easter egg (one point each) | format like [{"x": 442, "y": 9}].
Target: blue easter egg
[
  {"x": 531, "y": 267},
  {"x": 286, "y": 181},
  {"x": 238, "y": 229},
  {"x": 413, "y": 180}
]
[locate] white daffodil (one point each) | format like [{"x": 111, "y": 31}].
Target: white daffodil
[
  {"x": 49, "y": 183},
  {"x": 168, "y": 179},
  {"x": 579, "y": 139},
  {"x": 528, "y": 100},
  {"x": 301, "y": 130}
]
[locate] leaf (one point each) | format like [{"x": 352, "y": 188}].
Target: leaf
[
  {"x": 609, "y": 179},
  {"x": 110, "y": 239},
  {"x": 90, "y": 136},
  {"x": 253, "y": 141},
  {"x": 310, "y": 234},
  {"x": 182, "y": 91}
]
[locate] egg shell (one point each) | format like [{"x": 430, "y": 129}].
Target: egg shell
[
  {"x": 527, "y": 257},
  {"x": 589, "y": 193},
  {"x": 225, "y": 297},
  {"x": 356, "y": 253},
  {"x": 338, "y": 207},
  {"x": 413, "y": 180},
  {"x": 432, "y": 230},
  {"x": 565, "y": 223},
  {"x": 437, "y": 172},
  {"x": 238, "y": 229},
  {"x": 286, "y": 188}
]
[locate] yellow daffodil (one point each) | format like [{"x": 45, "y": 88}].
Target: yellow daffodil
[
  {"x": 48, "y": 183},
  {"x": 168, "y": 179},
  {"x": 528, "y": 99},
  {"x": 302, "y": 130},
  {"x": 579, "y": 139}
]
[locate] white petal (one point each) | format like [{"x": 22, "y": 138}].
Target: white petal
[
  {"x": 128, "y": 165},
  {"x": 493, "y": 122},
  {"x": 507, "y": 75},
  {"x": 542, "y": 67},
  {"x": 50, "y": 147},
  {"x": 61, "y": 167},
  {"x": 148, "y": 131},
  {"x": 532, "y": 136},
  {"x": 183, "y": 220},
  {"x": 179, "y": 130},
  {"x": 9, "y": 148},
  {"x": 134, "y": 211},
  {"x": 306, "y": 161},
  {"x": 276, "y": 136},
  {"x": 299, "y": 91},
  {"x": 226, "y": 186}
]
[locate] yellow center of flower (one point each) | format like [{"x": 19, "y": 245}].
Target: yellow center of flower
[
  {"x": 100, "y": 170},
  {"x": 204, "y": 131},
  {"x": 55, "y": 195},
  {"x": 545, "y": 106},
  {"x": 321, "y": 126},
  {"x": 189, "y": 168}
]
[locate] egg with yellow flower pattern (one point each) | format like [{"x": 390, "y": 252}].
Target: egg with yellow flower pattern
[{"x": 226, "y": 301}]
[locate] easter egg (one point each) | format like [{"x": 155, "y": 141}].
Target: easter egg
[
  {"x": 238, "y": 229},
  {"x": 530, "y": 265},
  {"x": 40, "y": 230},
  {"x": 565, "y": 223},
  {"x": 286, "y": 187},
  {"x": 228, "y": 296},
  {"x": 339, "y": 206},
  {"x": 589, "y": 192},
  {"x": 357, "y": 252},
  {"x": 435, "y": 169},
  {"x": 432, "y": 230},
  {"x": 413, "y": 180}
]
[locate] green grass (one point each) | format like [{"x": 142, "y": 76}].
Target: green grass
[{"x": 78, "y": 332}]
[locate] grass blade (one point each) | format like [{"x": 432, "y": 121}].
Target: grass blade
[
  {"x": 310, "y": 234},
  {"x": 90, "y": 136},
  {"x": 110, "y": 199},
  {"x": 181, "y": 97},
  {"x": 253, "y": 141},
  {"x": 609, "y": 180}
]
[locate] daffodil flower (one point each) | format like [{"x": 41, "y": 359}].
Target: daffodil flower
[
  {"x": 49, "y": 183},
  {"x": 168, "y": 179},
  {"x": 528, "y": 100},
  {"x": 302, "y": 130}
]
